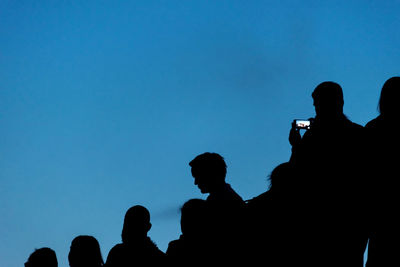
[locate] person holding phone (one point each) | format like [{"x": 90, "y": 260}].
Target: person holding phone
[{"x": 327, "y": 160}]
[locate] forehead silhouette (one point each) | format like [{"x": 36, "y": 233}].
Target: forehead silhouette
[
  {"x": 281, "y": 172},
  {"x": 85, "y": 243},
  {"x": 85, "y": 250},
  {"x": 137, "y": 214},
  {"x": 208, "y": 163},
  {"x": 328, "y": 92},
  {"x": 43, "y": 257},
  {"x": 194, "y": 207},
  {"x": 390, "y": 94}
]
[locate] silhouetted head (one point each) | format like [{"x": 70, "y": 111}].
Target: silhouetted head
[
  {"x": 390, "y": 97},
  {"x": 280, "y": 176},
  {"x": 208, "y": 171},
  {"x": 42, "y": 257},
  {"x": 136, "y": 224},
  {"x": 194, "y": 217},
  {"x": 85, "y": 252},
  {"x": 328, "y": 100}
]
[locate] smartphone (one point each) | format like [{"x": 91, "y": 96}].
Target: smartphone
[{"x": 303, "y": 124}]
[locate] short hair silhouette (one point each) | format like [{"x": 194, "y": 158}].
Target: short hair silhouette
[
  {"x": 85, "y": 252},
  {"x": 194, "y": 216},
  {"x": 390, "y": 97},
  {"x": 42, "y": 257},
  {"x": 209, "y": 164},
  {"x": 280, "y": 176},
  {"x": 136, "y": 223},
  {"x": 328, "y": 98}
]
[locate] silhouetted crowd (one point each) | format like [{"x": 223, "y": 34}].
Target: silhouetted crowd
[{"x": 336, "y": 194}]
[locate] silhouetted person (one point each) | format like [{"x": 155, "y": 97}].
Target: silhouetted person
[
  {"x": 329, "y": 162},
  {"x": 137, "y": 249},
  {"x": 85, "y": 252},
  {"x": 271, "y": 220},
  {"x": 226, "y": 206},
  {"x": 42, "y": 257},
  {"x": 209, "y": 173},
  {"x": 384, "y": 145},
  {"x": 193, "y": 246}
]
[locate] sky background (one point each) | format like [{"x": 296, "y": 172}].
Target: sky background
[{"x": 104, "y": 103}]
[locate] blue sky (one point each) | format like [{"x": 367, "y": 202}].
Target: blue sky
[{"x": 104, "y": 103}]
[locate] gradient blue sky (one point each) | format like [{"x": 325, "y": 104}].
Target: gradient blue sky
[{"x": 104, "y": 103}]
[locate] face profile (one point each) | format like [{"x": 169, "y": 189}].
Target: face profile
[
  {"x": 208, "y": 171},
  {"x": 201, "y": 181}
]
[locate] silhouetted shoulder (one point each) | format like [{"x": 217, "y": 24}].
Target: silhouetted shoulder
[
  {"x": 346, "y": 123},
  {"x": 357, "y": 130},
  {"x": 118, "y": 248},
  {"x": 157, "y": 252},
  {"x": 374, "y": 123},
  {"x": 259, "y": 200},
  {"x": 225, "y": 194},
  {"x": 132, "y": 254},
  {"x": 189, "y": 252},
  {"x": 116, "y": 255},
  {"x": 173, "y": 247},
  {"x": 178, "y": 250},
  {"x": 356, "y": 125}
]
